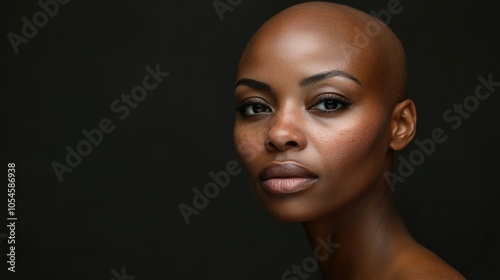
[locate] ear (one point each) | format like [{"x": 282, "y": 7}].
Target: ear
[{"x": 403, "y": 124}]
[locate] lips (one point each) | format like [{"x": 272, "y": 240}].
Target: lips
[{"x": 286, "y": 177}]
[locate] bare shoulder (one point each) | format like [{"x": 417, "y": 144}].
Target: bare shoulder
[{"x": 416, "y": 262}]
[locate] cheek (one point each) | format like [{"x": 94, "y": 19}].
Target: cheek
[
  {"x": 356, "y": 143},
  {"x": 355, "y": 153},
  {"x": 248, "y": 144}
]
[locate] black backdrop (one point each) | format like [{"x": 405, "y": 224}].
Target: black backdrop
[{"x": 117, "y": 214}]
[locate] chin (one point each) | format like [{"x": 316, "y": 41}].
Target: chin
[
  {"x": 289, "y": 217},
  {"x": 286, "y": 209}
]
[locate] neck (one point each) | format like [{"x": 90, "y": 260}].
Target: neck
[{"x": 366, "y": 232}]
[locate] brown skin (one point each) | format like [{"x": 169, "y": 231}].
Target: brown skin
[{"x": 344, "y": 128}]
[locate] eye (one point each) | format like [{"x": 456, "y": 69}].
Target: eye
[
  {"x": 252, "y": 107},
  {"x": 331, "y": 103}
]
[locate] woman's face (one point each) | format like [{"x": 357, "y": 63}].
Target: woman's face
[{"x": 311, "y": 126}]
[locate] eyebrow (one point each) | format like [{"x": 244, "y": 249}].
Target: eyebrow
[
  {"x": 253, "y": 84},
  {"x": 325, "y": 75},
  {"x": 304, "y": 83}
]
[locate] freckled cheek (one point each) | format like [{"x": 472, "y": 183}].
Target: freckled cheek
[
  {"x": 248, "y": 146},
  {"x": 350, "y": 147}
]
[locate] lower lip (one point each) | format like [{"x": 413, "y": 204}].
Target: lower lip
[{"x": 287, "y": 185}]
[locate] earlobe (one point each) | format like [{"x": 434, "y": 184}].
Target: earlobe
[{"x": 404, "y": 124}]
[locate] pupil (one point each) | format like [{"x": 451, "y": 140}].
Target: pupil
[
  {"x": 257, "y": 108},
  {"x": 330, "y": 104}
]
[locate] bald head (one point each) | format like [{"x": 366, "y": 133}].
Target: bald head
[{"x": 345, "y": 38}]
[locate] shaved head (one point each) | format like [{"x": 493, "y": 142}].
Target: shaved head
[{"x": 358, "y": 43}]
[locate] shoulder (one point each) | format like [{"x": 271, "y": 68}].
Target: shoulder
[{"x": 417, "y": 263}]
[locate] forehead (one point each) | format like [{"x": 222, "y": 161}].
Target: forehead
[{"x": 297, "y": 48}]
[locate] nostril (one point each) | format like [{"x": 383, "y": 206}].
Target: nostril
[
  {"x": 273, "y": 146},
  {"x": 270, "y": 145},
  {"x": 292, "y": 144}
]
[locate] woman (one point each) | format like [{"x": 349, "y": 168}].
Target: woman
[{"x": 321, "y": 108}]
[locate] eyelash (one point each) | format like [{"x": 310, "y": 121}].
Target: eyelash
[
  {"x": 240, "y": 108},
  {"x": 343, "y": 102}
]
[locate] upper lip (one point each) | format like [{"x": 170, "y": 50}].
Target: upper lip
[{"x": 285, "y": 170}]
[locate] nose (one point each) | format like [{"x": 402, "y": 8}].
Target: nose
[{"x": 286, "y": 132}]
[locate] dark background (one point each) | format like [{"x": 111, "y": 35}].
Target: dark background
[{"x": 119, "y": 207}]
